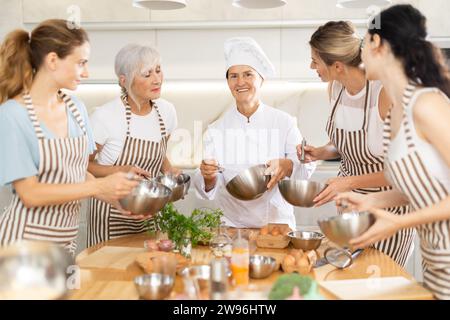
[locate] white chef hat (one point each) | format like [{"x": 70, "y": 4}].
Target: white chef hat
[{"x": 246, "y": 51}]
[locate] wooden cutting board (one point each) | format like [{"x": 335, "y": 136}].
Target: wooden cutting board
[
  {"x": 118, "y": 258},
  {"x": 387, "y": 288},
  {"x": 106, "y": 290}
]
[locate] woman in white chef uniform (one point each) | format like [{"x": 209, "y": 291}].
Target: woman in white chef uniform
[
  {"x": 45, "y": 137},
  {"x": 131, "y": 134},
  {"x": 416, "y": 140},
  {"x": 248, "y": 134}
]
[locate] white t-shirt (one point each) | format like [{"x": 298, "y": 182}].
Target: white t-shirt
[
  {"x": 350, "y": 113},
  {"x": 109, "y": 127}
]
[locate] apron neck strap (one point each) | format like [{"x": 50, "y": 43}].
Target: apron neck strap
[
  {"x": 333, "y": 111},
  {"x": 365, "y": 125},
  {"x": 67, "y": 102},
  {"x": 366, "y": 106},
  {"x": 407, "y": 96},
  {"x": 124, "y": 98}
]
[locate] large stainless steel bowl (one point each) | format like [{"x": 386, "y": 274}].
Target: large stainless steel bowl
[
  {"x": 261, "y": 266},
  {"x": 179, "y": 185},
  {"x": 154, "y": 286},
  {"x": 147, "y": 198},
  {"x": 33, "y": 270},
  {"x": 342, "y": 228},
  {"x": 306, "y": 240},
  {"x": 249, "y": 184},
  {"x": 300, "y": 193}
]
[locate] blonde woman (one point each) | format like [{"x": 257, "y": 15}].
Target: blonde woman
[
  {"x": 355, "y": 125},
  {"x": 45, "y": 136}
]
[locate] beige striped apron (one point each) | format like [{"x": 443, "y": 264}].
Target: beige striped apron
[
  {"x": 61, "y": 161},
  {"x": 104, "y": 221},
  {"x": 410, "y": 175},
  {"x": 356, "y": 160}
]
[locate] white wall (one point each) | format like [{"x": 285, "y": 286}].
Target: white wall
[{"x": 191, "y": 40}]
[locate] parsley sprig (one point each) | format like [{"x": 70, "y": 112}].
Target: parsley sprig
[{"x": 200, "y": 224}]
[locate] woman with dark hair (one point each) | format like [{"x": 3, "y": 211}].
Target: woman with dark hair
[
  {"x": 416, "y": 140},
  {"x": 355, "y": 125},
  {"x": 45, "y": 136}
]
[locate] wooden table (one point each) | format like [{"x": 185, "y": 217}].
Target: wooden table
[{"x": 110, "y": 283}]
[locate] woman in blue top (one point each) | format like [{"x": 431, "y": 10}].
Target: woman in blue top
[{"x": 45, "y": 136}]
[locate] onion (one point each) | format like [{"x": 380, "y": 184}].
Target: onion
[{"x": 165, "y": 245}]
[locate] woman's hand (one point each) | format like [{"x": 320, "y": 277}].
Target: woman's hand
[
  {"x": 116, "y": 186},
  {"x": 135, "y": 170},
  {"x": 278, "y": 169},
  {"x": 386, "y": 225},
  {"x": 333, "y": 187},
  {"x": 209, "y": 170},
  {"x": 174, "y": 171},
  {"x": 354, "y": 201},
  {"x": 311, "y": 153}
]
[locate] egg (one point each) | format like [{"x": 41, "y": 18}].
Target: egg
[
  {"x": 264, "y": 231},
  {"x": 275, "y": 231},
  {"x": 288, "y": 263},
  {"x": 303, "y": 265},
  {"x": 312, "y": 256},
  {"x": 298, "y": 254}
]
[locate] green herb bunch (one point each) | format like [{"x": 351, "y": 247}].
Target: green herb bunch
[{"x": 199, "y": 224}]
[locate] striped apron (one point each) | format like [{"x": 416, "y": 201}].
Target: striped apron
[
  {"x": 104, "y": 221},
  {"x": 356, "y": 160},
  {"x": 411, "y": 176},
  {"x": 61, "y": 161}
]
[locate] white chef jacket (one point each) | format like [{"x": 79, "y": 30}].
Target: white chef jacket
[{"x": 238, "y": 143}]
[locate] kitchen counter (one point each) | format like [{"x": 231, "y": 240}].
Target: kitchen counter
[{"x": 114, "y": 282}]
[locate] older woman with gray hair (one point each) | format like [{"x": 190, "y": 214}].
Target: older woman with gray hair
[{"x": 131, "y": 134}]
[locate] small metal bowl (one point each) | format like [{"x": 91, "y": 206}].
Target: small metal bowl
[
  {"x": 300, "y": 193},
  {"x": 154, "y": 286},
  {"x": 147, "y": 198},
  {"x": 33, "y": 270},
  {"x": 306, "y": 240},
  {"x": 261, "y": 266},
  {"x": 342, "y": 228},
  {"x": 249, "y": 184},
  {"x": 179, "y": 185}
]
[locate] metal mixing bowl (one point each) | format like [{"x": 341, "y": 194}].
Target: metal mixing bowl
[
  {"x": 342, "y": 228},
  {"x": 249, "y": 184},
  {"x": 33, "y": 270},
  {"x": 147, "y": 198},
  {"x": 300, "y": 192},
  {"x": 154, "y": 286},
  {"x": 306, "y": 240},
  {"x": 179, "y": 185},
  {"x": 261, "y": 266}
]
